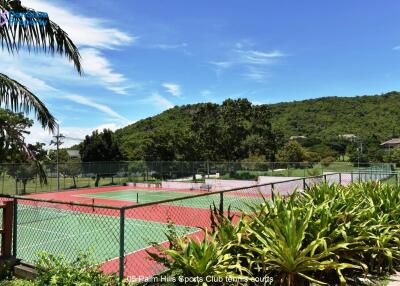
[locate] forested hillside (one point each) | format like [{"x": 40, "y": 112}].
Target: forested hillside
[
  {"x": 175, "y": 133},
  {"x": 329, "y": 116}
]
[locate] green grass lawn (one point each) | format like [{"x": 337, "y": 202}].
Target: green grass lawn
[{"x": 8, "y": 185}]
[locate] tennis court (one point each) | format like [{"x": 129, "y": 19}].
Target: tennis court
[
  {"x": 66, "y": 232},
  {"x": 147, "y": 196},
  {"x": 45, "y": 225},
  {"x": 120, "y": 224}
]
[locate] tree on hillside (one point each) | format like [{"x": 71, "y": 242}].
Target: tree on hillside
[
  {"x": 100, "y": 147},
  {"x": 292, "y": 152},
  {"x": 13, "y": 128},
  {"x": 72, "y": 169},
  {"x": 262, "y": 139},
  {"x": 206, "y": 133},
  {"x": 63, "y": 156},
  {"x": 24, "y": 169},
  {"x": 339, "y": 145},
  {"x": 235, "y": 123}
]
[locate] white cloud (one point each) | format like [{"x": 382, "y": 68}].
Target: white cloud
[
  {"x": 396, "y": 48},
  {"x": 173, "y": 89},
  {"x": 205, "y": 92},
  {"x": 222, "y": 64},
  {"x": 84, "y": 31},
  {"x": 89, "y": 102},
  {"x": 257, "y": 57},
  {"x": 74, "y": 135},
  {"x": 244, "y": 56},
  {"x": 256, "y": 74},
  {"x": 160, "y": 101},
  {"x": 91, "y": 35},
  {"x": 169, "y": 46},
  {"x": 96, "y": 65},
  {"x": 31, "y": 82}
]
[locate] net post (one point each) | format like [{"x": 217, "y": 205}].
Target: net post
[
  {"x": 221, "y": 203},
  {"x": 121, "y": 243},
  {"x": 304, "y": 184},
  {"x": 15, "y": 221},
  {"x": 325, "y": 179},
  {"x": 351, "y": 174},
  {"x": 137, "y": 198},
  {"x": 340, "y": 179},
  {"x": 397, "y": 179}
]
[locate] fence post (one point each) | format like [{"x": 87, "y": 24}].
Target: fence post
[
  {"x": 351, "y": 174},
  {"x": 121, "y": 243},
  {"x": 7, "y": 229},
  {"x": 221, "y": 203},
  {"x": 15, "y": 228},
  {"x": 325, "y": 179},
  {"x": 304, "y": 184},
  {"x": 340, "y": 179}
]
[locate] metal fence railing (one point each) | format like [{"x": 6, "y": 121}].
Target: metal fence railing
[
  {"x": 120, "y": 236},
  {"x": 19, "y": 179}
]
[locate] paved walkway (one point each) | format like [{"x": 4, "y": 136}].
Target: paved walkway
[{"x": 395, "y": 280}]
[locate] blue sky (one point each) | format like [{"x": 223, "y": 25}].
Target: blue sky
[{"x": 142, "y": 57}]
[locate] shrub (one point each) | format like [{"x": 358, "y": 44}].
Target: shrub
[
  {"x": 56, "y": 270},
  {"x": 18, "y": 282},
  {"x": 327, "y": 161},
  {"x": 328, "y": 235}
]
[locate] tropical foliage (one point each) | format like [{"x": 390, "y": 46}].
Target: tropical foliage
[
  {"x": 40, "y": 35},
  {"x": 36, "y": 37},
  {"x": 330, "y": 235},
  {"x": 54, "y": 270}
]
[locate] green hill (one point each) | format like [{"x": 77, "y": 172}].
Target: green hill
[{"x": 376, "y": 116}]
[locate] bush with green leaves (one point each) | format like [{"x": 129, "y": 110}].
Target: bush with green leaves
[
  {"x": 328, "y": 235},
  {"x": 18, "y": 282},
  {"x": 58, "y": 271}
]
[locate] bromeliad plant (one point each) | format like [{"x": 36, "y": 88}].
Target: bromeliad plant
[
  {"x": 192, "y": 257},
  {"x": 281, "y": 250},
  {"x": 328, "y": 235}
]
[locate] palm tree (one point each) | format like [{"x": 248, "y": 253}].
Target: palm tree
[{"x": 41, "y": 35}]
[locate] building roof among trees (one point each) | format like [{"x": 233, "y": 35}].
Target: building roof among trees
[
  {"x": 73, "y": 153},
  {"x": 391, "y": 143}
]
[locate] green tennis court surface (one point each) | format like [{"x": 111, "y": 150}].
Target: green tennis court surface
[
  {"x": 66, "y": 232},
  {"x": 148, "y": 196}
]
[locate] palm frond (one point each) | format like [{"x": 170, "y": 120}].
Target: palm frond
[
  {"x": 17, "y": 98},
  {"x": 40, "y": 35}
]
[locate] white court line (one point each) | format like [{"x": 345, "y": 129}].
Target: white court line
[
  {"x": 94, "y": 216},
  {"x": 54, "y": 240},
  {"x": 44, "y": 230},
  {"x": 150, "y": 246},
  {"x": 150, "y": 193},
  {"x": 70, "y": 236}
]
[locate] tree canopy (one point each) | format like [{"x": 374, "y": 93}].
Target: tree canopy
[{"x": 237, "y": 129}]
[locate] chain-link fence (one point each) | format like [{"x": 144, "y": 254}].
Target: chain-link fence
[
  {"x": 120, "y": 235},
  {"x": 17, "y": 179}
]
